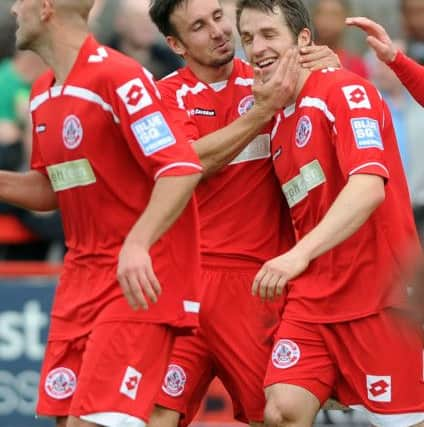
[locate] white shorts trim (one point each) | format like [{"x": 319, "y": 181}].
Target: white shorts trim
[
  {"x": 113, "y": 419},
  {"x": 391, "y": 420}
]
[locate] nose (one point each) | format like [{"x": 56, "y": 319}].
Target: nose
[
  {"x": 216, "y": 30},
  {"x": 258, "y": 46}
]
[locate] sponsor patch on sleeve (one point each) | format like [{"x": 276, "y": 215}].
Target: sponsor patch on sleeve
[
  {"x": 367, "y": 133},
  {"x": 153, "y": 133}
]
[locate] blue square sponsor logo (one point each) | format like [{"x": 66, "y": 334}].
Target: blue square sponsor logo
[
  {"x": 367, "y": 133},
  {"x": 153, "y": 133}
]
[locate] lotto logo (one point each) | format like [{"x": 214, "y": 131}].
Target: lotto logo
[
  {"x": 356, "y": 97},
  {"x": 379, "y": 388},
  {"x": 134, "y": 95},
  {"x": 130, "y": 383}
]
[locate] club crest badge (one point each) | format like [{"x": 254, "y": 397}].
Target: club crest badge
[
  {"x": 303, "y": 131},
  {"x": 246, "y": 104},
  {"x": 174, "y": 381},
  {"x": 72, "y": 132},
  {"x": 60, "y": 383},
  {"x": 286, "y": 353}
]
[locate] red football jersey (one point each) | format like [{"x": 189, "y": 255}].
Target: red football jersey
[
  {"x": 241, "y": 221},
  {"x": 338, "y": 127},
  {"x": 103, "y": 138},
  {"x": 411, "y": 74}
]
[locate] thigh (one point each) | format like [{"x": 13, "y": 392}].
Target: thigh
[
  {"x": 300, "y": 358},
  {"x": 380, "y": 360},
  {"x": 59, "y": 376},
  {"x": 239, "y": 330},
  {"x": 121, "y": 372},
  {"x": 189, "y": 373}
]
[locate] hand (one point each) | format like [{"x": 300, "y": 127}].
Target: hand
[
  {"x": 377, "y": 38},
  {"x": 279, "y": 90},
  {"x": 275, "y": 273},
  {"x": 136, "y": 276},
  {"x": 318, "y": 57}
]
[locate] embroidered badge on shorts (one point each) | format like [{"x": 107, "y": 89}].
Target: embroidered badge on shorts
[
  {"x": 286, "y": 353},
  {"x": 60, "y": 383},
  {"x": 174, "y": 381}
]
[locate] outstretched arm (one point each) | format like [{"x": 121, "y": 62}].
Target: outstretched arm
[{"x": 408, "y": 71}]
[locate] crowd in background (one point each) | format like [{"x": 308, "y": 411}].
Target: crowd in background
[{"x": 125, "y": 25}]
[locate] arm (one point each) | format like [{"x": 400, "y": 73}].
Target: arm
[
  {"x": 356, "y": 202},
  {"x": 218, "y": 148},
  {"x": 135, "y": 271},
  {"x": 409, "y": 72},
  {"x": 30, "y": 190}
]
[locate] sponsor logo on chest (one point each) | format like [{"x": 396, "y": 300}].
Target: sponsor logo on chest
[
  {"x": 202, "y": 112},
  {"x": 296, "y": 189},
  {"x": 75, "y": 173}
]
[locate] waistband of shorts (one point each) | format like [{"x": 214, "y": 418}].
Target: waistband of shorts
[{"x": 229, "y": 264}]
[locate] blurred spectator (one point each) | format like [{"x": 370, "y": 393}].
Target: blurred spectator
[
  {"x": 413, "y": 24},
  {"x": 409, "y": 125},
  {"x": 23, "y": 235},
  {"x": 133, "y": 34},
  {"x": 329, "y": 20},
  {"x": 7, "y": 33}
]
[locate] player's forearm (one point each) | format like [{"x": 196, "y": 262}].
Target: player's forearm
[
  {"x": 411, "y": 74},
  {"x": 30, "y": 190},
  {"x": 218, "y": 149},
  {"x": 353, "y": 206},
  {"x": 169, "y": 198}
]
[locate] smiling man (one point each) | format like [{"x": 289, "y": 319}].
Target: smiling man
[{"x": 337, "y": 161}]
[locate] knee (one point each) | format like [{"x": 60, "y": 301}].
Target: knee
[{"x": 281, "y": 412}]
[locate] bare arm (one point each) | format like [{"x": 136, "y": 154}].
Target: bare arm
[
  {"x": 135, "y": 272},
  {"x": 356, "y": 202},
  {"x": 219, "y": 148},
  {"x": 29, "y": 190}
]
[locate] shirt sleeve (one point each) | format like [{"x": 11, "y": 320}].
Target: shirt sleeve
[
  {"x": 154, "y": 136},
  {"x": 359, "y": 119},
  {"x": 168, "y": 93},
  {"x": 411, "y": 74}
]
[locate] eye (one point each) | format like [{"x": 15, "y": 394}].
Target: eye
[{"x": 218, "y": 15}]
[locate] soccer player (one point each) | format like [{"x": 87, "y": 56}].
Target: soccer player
[
  {"x": 241, "y": 222},
  {"x": 343, "y": 331},
  {"x": 410, "y": 73},
  {"x": 106, "y": 153}
]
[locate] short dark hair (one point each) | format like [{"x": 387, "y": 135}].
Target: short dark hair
[
  {"x": 294, "y": 11},
  {"x": 160, "y": 12}
]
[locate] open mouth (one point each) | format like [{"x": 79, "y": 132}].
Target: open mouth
[{"x": 266, "y": 63}]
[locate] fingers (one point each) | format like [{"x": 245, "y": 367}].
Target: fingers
[
  {"x": 268, "y": 284},
  {"x": 139, "y": 286},
  {"x": 257, "y": 76},
  {"x": 367, "y": 25},
  {"x": 318, "y": 57}
]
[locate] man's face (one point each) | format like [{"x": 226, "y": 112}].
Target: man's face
[
  {"x": 329, "y": 21},
  {"x": 265, "y": 38},
  {"x": 27, "y": 14},
  {"x": 413, "y": 16},
  {"x": 205, "y": 34}
]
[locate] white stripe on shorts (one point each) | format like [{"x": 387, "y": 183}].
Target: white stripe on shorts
[
  {"x": 113, "y": 419},
  {"x": 390, "y": 420}
]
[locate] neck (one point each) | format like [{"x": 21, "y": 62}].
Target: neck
[
  {"x": 61, "y": 50},
  {"x": 210, "y": 74},
  {"x": 301, "y": 80}
]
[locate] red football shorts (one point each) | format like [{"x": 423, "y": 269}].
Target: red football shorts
[
  {"x": 234, "y": 343},
  {"x": 374, "y": 364},
  {"x": 118, "y": 368}
]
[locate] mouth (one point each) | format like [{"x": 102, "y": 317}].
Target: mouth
[
  {"x": 265, "y": 63},
  {"x": 222, "y": 45}
]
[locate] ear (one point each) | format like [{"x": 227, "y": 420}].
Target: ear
[
  {"x": 304, "y": 38},
  {"x": 176, "y": 45}
]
